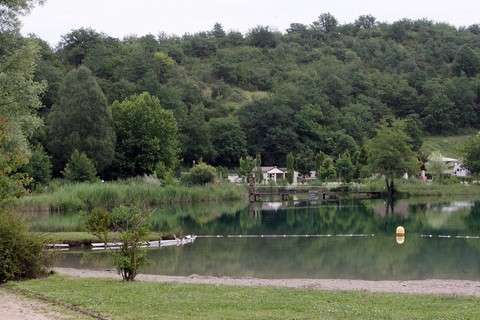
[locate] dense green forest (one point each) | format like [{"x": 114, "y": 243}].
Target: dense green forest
[{"x": 152, "y": 103}]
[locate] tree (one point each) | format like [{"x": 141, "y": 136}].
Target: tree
[
  {"x": 80, "y": 168},
  {"x": 146, "y": 135},
  {"x": 39, "y": 167},
  {"x": 218, "y": 31},
  {"x": 262, "y": 37},
  {"x": 466, "y": 62},
  {"x": 133, "y": 226},
  {"x": 390, "y": 154},
  {"x": 19, "y": 97},
  {"x": 81, "y": 121},
  {"x": 164, "y": 66},
  {"x": 196, "y": 142},
  {"x": 11, "y": 9},
  {"x": 326, "y": 23},
  {"x": 228, "y": 141},
  {"x": 258, "y": 168},
  {"x": 471, "y": 154},
  {"x": 345, "y": 168},
  {"x": 270, "y": 130},
  {"x": 246, "y": 166},
  {"x": 366, "y": 22},
  {"x": 327, "y": 170},
  {"x": 436, "y": 166},
  {"x": 200, "y": 174},
  {"x": 99, "y": 223},
  {"x": 77, "y": 44},
  {"x": 290, "y": 167}
]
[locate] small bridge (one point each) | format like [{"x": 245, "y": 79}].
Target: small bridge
[{"x": 258, "y": 193}]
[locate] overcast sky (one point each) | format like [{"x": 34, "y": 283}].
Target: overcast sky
[{"x": 127, "y": 17}]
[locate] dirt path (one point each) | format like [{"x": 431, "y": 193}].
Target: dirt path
[
  {"x": 436, "y": 287},
  {"x": 16, "y": 307}
]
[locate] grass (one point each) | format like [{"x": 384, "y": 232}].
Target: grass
[
  {"x": 128, "y": 301},
  {"x": 85, "y": 196},
  {"x": 449, "y": 146},
  {"x": 413, "y": 188}
]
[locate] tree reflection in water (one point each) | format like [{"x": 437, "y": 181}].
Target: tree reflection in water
[{"x": 374, "y": 258}]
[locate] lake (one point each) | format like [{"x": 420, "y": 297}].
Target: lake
[{"x": 344, "y": 240}]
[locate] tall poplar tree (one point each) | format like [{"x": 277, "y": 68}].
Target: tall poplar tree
[{"x": 81, "y": 121}]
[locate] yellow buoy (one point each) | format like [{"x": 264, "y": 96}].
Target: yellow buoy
[
  {"x": 400, "y": 232},
  {"x": 400, "y": 239}
]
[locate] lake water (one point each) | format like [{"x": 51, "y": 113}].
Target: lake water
[{"x": 440, "y": 242}]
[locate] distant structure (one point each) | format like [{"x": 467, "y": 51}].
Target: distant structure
[
  {"x": 275, "y": 174},
  {"x": 454, "y": 167}
]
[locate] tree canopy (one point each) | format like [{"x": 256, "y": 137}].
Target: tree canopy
[
  {"x": 390, "y": 154},
  {"x": 322, "y": 87},
  {"x": 82, "y": 121},
  {"x": 146, "y": 135}
]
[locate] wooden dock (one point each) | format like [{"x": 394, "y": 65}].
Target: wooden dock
[{"x": 261, "y": 193}]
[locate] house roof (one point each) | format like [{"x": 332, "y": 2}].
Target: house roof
[
  {"x": 272, "y": 170},
  {"x": 445, "y": 159}
]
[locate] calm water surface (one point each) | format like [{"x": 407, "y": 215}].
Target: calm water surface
[{"x": 377, "y": 257}]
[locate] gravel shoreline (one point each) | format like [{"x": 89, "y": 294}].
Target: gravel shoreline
[{"x": 434, "y": 287}]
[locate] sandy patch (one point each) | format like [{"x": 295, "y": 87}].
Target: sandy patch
[
  {"x": 436, "y": 287},
  {"x": 15, "y": 307}
]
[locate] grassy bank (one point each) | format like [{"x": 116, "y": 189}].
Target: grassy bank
[
  {"x": 411, "y": 188},
  {"x": 125, "y": 301},
  {"x": 449, "y": 146},
  {"x": 85, "y": 196}
]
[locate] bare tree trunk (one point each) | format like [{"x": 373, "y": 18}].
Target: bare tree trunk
[{"x": 390, "y": 186}]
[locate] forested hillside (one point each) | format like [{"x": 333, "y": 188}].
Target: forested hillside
[{"x": 317, "y": 88}]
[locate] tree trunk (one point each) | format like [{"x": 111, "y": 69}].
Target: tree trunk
[{"x": 390, "y": 186}]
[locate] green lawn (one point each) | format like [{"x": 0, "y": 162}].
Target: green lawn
[
  {"x": 118, "y": 300},
  {"x": 449, "y": 146}
]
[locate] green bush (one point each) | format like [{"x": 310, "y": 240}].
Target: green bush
[
  {"x": 200, "y": 174},
  {"x": 21, "y": 253},
  {"x": 39, "y": 168},
  {"x": 99, "y": 223},
  {"x": 80, "y": 168},
  {"x": 133, "y": 226}
]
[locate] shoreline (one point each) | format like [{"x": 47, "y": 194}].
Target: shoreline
[{"x": 414, "y": 287}]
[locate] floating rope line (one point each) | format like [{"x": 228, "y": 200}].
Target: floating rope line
[
  {"x": 287, "y": 236},
  {"x": 443, "y": 236}
]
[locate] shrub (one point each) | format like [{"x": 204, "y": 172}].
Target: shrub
[
  {"x": 80, "y": 168},
  {"x": 200, "y": 174},
  {"x": 21, "y": 253},
  {"x": 39, "y": 168},
  {"x": 164, "y": 173},
  {"x": 99, "y": 224},
  {"x": 133, "y": 226}
]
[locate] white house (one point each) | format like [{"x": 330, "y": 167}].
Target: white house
[
  {"x": 453, "y": 167},
  {"x": 460, "y": 171},
  {"x": 275, "y": 174}
]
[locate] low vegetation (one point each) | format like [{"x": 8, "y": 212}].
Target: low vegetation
[
  {"x": 86, "y": 196},
  {"x": 409, "y": 188},
  {"x": 21, "y": 253},
  {"x": 122, "y": 301},
  {"x": 133, "y": 226},
  {"x": 448, "y": 146}
]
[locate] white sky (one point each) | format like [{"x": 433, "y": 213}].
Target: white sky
[{"x": 127, "y": 17}]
